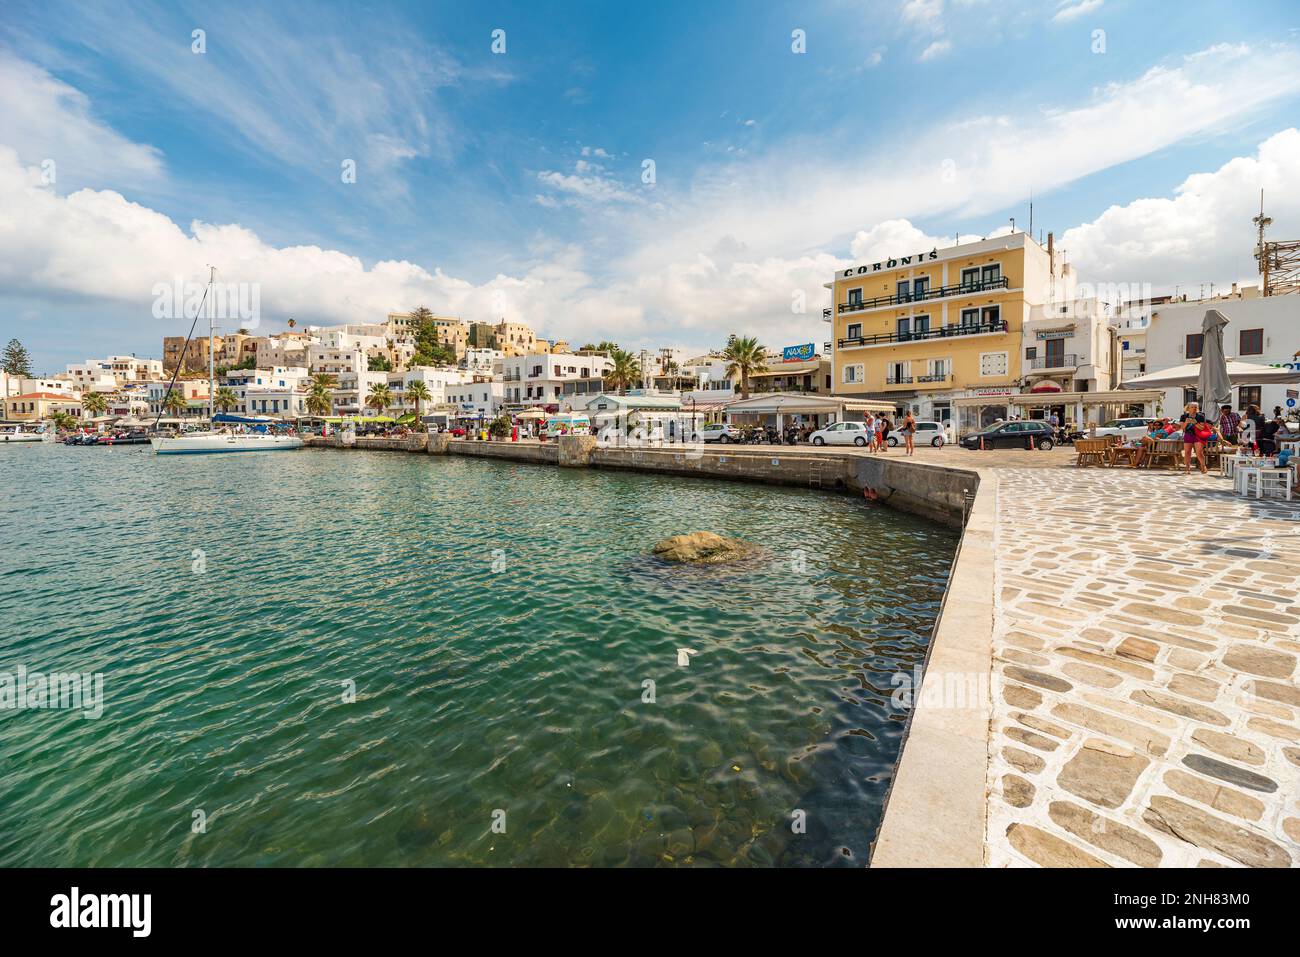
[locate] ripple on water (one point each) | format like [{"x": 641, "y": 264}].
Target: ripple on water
[{"x": 476, "y": 691}]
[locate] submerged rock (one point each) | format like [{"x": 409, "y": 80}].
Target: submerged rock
[{"x": 702, "y": 548}]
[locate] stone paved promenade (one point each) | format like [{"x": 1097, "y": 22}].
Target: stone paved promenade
[{"x": 1145, "y": 642}]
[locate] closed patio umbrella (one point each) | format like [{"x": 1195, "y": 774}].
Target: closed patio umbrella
[{"x": 1213, "y": 384}]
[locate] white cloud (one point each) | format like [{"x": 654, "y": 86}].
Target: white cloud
[
  {"x": 935, "y": 50},
  {"x": 42, "y": 118},
  {"x": 927, "y": 12},
  {"x": 1071, "y": 10},
  {"x": 1203, "y": 232},
  {"x": 588, "y": 185}
]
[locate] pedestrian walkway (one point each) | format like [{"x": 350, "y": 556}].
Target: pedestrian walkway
[{"x": 1146, "y": 631}]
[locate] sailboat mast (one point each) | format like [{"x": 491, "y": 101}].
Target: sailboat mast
[{"x": 212, "y": 314}]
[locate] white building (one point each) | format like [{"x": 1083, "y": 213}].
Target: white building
[
  {"x": 278, "y": 391},
  {"x": 104, "y": 375},
  {"x": 553, "y": 378},
  {"x": 1260, "y": 330},
  {"x": 11, "y": 385},
  {"x": 1069, "y": 345},
  {"x": 479, "y": 399},
  {"x": 483, "y": 360},
  {"x": 437, "y": 380}
]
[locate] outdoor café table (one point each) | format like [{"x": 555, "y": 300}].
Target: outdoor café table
[{"x": 1126, "y": 452}]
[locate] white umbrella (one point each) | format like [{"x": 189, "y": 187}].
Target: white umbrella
[{"x": 1189, "y": 375}]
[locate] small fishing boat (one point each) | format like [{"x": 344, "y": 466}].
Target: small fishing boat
[{"x": 13, "y": 433}]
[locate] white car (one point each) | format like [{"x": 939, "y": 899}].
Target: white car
[
  {"x": 717, "y": 432},
  {"x": 842, "y": 433},
  {"x": 1126, "y": 428},
  {"x": 927, "y": 433}
]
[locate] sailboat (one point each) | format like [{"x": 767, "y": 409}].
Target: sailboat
[{"x": 215, "y": 440}]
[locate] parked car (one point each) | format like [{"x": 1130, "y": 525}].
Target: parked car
[
  {"x": 927, "y": 433},
  {"x": 717, "y": 432},
  {"x": 842, "y": 433},
  {"x": 1126, "y": 428},
  {"x": 1012, "y": 435}
]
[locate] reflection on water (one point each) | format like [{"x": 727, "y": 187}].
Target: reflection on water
[{"x": 505, "y": 631}]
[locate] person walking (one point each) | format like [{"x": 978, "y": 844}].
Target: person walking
[
  {"x": 909, "y": 432},
  {"x": 886, "y": 427},
  {"x": 870, "y": 422},
  {"x": 880, "y": 429}
]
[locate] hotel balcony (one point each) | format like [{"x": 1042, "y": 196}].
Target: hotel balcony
[
  {"x": 919, "y": 381},
  {"x": 929, "y": 295},
  {"x": 1062, "y": 362},
  {"x": 942, "y": 332}
]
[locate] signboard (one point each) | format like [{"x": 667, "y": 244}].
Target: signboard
[
  {"x": 993, "y": 391},
  {"x": 919, "y": 258},
  {"x": 798, "y": 353},
  {"x": 1060, "y": 334}
]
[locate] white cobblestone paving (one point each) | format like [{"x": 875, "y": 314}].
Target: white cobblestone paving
[{"x": 1147, "y": 706}]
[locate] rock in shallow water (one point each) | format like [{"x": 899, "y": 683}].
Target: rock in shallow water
[{"x": 702, "y": 548}]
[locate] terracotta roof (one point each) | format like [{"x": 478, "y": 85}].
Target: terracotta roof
[{"x": 46, "y": 395}]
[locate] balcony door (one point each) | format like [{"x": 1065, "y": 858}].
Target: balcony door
[
  {"x": 990, "y": 273},
  {"x": 1054, "y": 353}
]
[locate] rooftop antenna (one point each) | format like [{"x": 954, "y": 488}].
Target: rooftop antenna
[
  {"x": 1013, "y": 224},
  {"x": 1260, "y": 252},
  {"x": 1031, "y": 212}
]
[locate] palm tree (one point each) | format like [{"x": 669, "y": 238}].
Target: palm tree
[
  {"x": 318, "y": 399},
  {"x": 624, "y": 370},
  {"x": 326, "y": 380},
  {"x": 64, "y": 421},
  {"x": 94, "y": 403},
  {"x": 746, "y": 357},
  {"x": 380, "y": 397},
  {"x": 225, "y": 399},
  {"x": 174, "y": 402},
  {"x": 418, "y": 393}
]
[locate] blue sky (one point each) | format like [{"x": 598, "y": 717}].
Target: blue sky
[{"x": 510, "y": 184}]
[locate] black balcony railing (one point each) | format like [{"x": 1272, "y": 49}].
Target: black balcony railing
[
  {"x": 939, "y": 292},
  {"x": 1067, "y": 361},
  {"x": 826, "y": 314},
  {"x": 933, "y": 378},
  {"x": 898, "y": 380},
  {"x": 943, "y": 332}
]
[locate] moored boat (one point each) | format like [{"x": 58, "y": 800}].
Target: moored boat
[
  {"x": 193, "y": 443},
  {"x": 10, "y": 434}
]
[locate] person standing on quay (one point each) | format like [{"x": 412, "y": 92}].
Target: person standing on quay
[
  {"x": 909, "y": 432},
  {"x": 870, "y": 423}
]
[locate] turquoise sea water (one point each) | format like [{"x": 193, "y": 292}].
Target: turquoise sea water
[{"x": 499, "y": 622}]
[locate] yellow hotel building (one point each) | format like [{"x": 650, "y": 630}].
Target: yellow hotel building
[{"x": 926, "y": 328}]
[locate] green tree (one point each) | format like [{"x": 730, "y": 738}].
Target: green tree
[
  {"x": 318, "y": 399},
  {"x": 380, "y": 397},
  {"x": 500, "y": 427},
  {"x": 174, "y": 402},
  {"x": 745, "y": 357},
  {"x": 326, "y": 380},
  {"x": 64, "y": 421},
  {"x": 624, "y": 370},
  {"x": 94, "y": 403},
  {"x": 17, "y": 361},
  {"x": 429, "y": 351},
  {"x": 379, "y": 363},
  {"x": 225, "y": 399},
  {"x": 418, "y": 393}
]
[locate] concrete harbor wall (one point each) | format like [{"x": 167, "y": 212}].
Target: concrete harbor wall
[
  {"x": 415, "y": 442},
  {"x": 938, "y": 492}
]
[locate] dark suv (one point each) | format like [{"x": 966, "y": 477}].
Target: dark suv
[{"x": 1012, "y": 435}]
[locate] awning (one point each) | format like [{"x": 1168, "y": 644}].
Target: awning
[
  {"x": 1187, "y": 376},
  {"x": 798, "y": 403}
]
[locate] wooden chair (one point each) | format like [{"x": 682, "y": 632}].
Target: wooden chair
[
  {"x": 1090, "y": 451},
  {"x": 1165, "y": 452}
]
